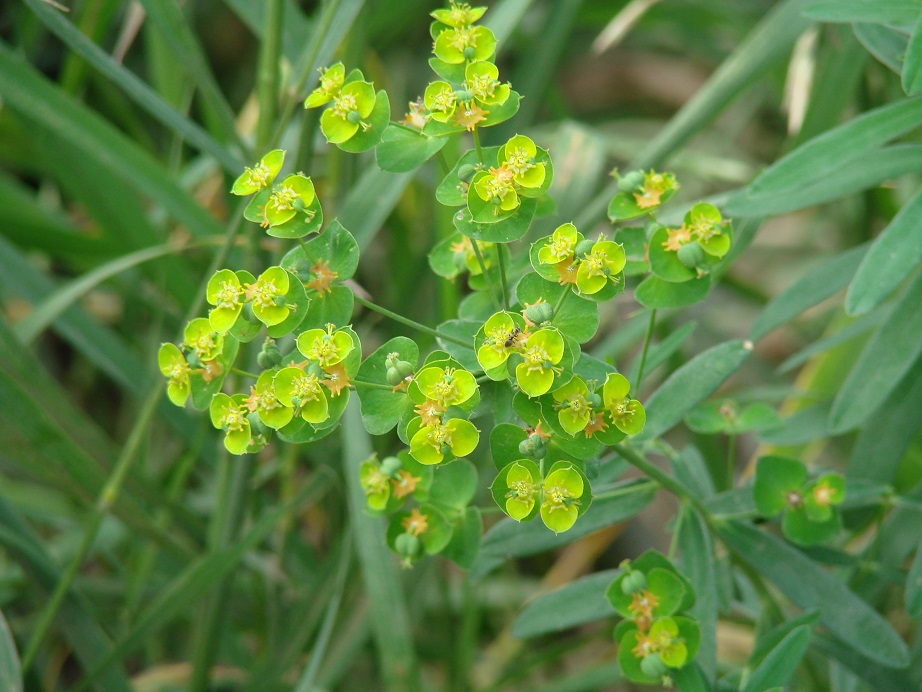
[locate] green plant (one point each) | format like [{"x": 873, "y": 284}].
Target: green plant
[{"x": 536, "y": 393}]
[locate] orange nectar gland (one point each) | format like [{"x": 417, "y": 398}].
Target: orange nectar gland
[
  {"x": 415, "y": 523},
  {"x": 642, "y": 604},
  {"x": 405, "y": 484},
  {"x": 469, "y": 115},
  {"x": 677, "y": 237},
  {"x": 430, "y": 412}
]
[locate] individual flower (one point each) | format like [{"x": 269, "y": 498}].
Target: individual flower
[
  {"x": 440, "y": 101},
  {"x": 655, "y": 189},
  {"x": 464, "y": 44},
  {"x": 541, "y": 351},
  {"x": 522, "y": 481},
  {"x": 627, "y": 414},
  {"x": 268, "y": 296},
  {"x": 259, "y": 176},
  {"x": 264, "y": 402},
  {"x": 331, "y": 81},
  {"x": 518, "y": 157},
  {"x": 174, "y": 367},
  {"x": 822, "y": 495},
  {"x": 226, "y": 293},
  {"x": 446, "y": 386},
  {"x": 458, "y": 14},
  {"x": 560, "y": 497},
  {"x": 432, "y": 443},
  {"x": 326, "y": 347},
  {"x": 574, "y": 408},
  {"x": 376, "y": 484},
  {"x": 294, "y": 195},
  {"x": 303, "y": 392},
  {"x": 481, "y": 79},
  {"x": 600, "y": 265},
  {"x": 561, "y": 245},
  {"x": 351, "y": 106},
  {"x": 706, "y": 226},
  {"x": 496, "y": 187},
  {"x": 202, "y": 339},
  {"x": 230, "y": 415},
  {"x": 502, "y": 336},
  {"x": 416, "y": 117}
]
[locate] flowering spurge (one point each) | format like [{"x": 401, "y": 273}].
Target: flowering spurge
[
  {"x": 560, "y": 497},
  {"x": 575, "y": 405},
  {"x": 331, "y": 81},
  {"x": 655, "y": 637},
  {"x": 421, "y": 531},
  {"x": 264, "y": 402},
  {"x": 626, "y": 414},
  {"x": 641, "y": 194},
  {"x": 328, "y": 349},
  {"x": 458, "y": 15},
  {"x": 225, "y": 291},
  {"x": 302, "y": 391},
  {"x": 389, "y": 481},
  {"x": 433, "y": 443},
  {"x": 348, "y": 112},
  {"x": 260, "y": 176},
  {"x": 684, "y": 253},
  {"x": 523, "y": 170},
  {"x": 501, "y": 336},
  {"x": 460, "y": 44},
  {"x": 541, "y": 351},
  {"x": 174, "y": 367},
  {"x": 268, "y": 296},
  {"x": 292, "y": 196},
  {"x": 229, "y": 413},
  {"x": 202, "y": 340},
  {"x": 808, "y": 507},
  {"x": 446, "y": 386}
]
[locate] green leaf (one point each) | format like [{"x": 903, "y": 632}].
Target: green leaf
[
  {"x": 451, "y": 191},
  {"x": 578, "y": 319},
  {"x": 885, "y": 43},
  {"x": 509, "y": 539},
  {"x": 877, "y": 676},
  {"x": 464, "y": 546},
  {"x": 505, "y": 231},
  {"x": 10, "y": 671},
  {"x": 913, "y": 595},
  {"x": 691, "y": 384},
  {"x": 335, "y": 246},
  {"x": 903, "y": 12},
  {"x": 885, "y": 360},
  {"x": 808, "y": 585},
  {"x": 382, "y": 410},
  {"x": 402, "y": 150},
  {"x": 333, "y": 307},
  {"x": 912, "y": 62},
  {"x": 779, "y": 665},
  {"x": 363, "y": 140},
  {"x": 454, "y": 485},
  {"x": 699, "y": 565},
  {"x": 816, "y": 285},
  {"x": 579, "y": 602},
  {"x": 654, "y": 292},
  {"x": 893, "y": 256}
]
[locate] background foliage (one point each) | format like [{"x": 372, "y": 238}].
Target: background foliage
[{"x": 121, "y": 129}]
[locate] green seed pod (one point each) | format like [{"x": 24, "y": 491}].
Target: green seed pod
[
  {"x": 633, "y": 582},
  {"x": 464, "y": 95},
  {"x": 193, "y": 360},
  {"x": 354, "y": 117},
  {"x": 315, "y": 370},
  {"x": 595, "y": 401},
  {"x": 692, "y": 255},
  {"x": 630, "y": 181},
  {"x": 405, "y": 368},
  {"x": 539, "y": 312},
  {"x": 445, "y": 449},
  {"x": 466, "y": 172},
  {"x": 279, "y": 300},
  {"x": 390, "y": 466},
  {"x": 653, "y": 666},
  {"x": 527, "y": 447},
  {"x": 408, "y": 545},
  {"x": 584, "y": 247},
  {"x": 248, "y": 314},
  {"x": 269, "y": 356},
  {"x": 393, "y": 377},
  {"x": 469, "y": 53},
  {"x": 538, "y": 446}
]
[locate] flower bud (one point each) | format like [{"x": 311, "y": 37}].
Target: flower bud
[
  {"x": 692, "y": 255},
  {"x": 193, "y": 360},
  {"x": 408, "y": 545},
  {"x": 269, "y": 356},
  {"x": 464, "y": 95},
  {"x": 354, "y": 117},
  {"x": 633, "y": 582},
  {"x": 595, "y": 401},
  {"x": 393, "y": 377},
  {"x": 390, "y": 466},
  {"x": 653, "y": 666},
  {"x": 466, "y": 172},
  {"x": 539, "y": 312},
  {"x": 630, "y": 181}
]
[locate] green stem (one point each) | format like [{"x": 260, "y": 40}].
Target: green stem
[
  {"x": 483, "y": 270},
  {"x": 731, "y": 462},
  {"x": 307, "y": 252},
  {"x": 476, "y": 133},
  {"x": 268, "y": 72},
  {"x": 666, "y": 481},
  {"x": 563, "y": 297},
  {"x": 413, "y": 323},
  {"x": 502, "y": 275},
  {"x": 371, "y": 385},
  {"x": 251, "y": 375},
  {"x": 443, "y": 162},
  {"x": 643, "y": 352},
  {"x": 674, "y": 541}
]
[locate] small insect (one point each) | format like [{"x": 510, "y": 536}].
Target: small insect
[{"x": 512, "y": 338}]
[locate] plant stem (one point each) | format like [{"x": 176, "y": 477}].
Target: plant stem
[
  {"x": 476, "y": 133},
  {"x": 307, "y": 253},
  {"x": 563, "y": 297},
  {"x": 251, "y": 375},
  {"x": 268, "y": 72},
  {"x": 662, "y": 478},
  {"x": 413, "y": 323},
  {"x": 643, "y": 352},
  {"x": 731, "y": 462},
  {"x": 371, "y": 385},
  {"x": 443, "y": 162},
  {"x": 502, "y": 275},
  {"x": 486, "y": 277}
]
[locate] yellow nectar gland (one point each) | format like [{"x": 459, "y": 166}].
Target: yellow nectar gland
[
  {"x": 499, "y": 183},
  {"x": 444, "y": 101},
  {"x": 536, "y": 359},
  {"x": 283, "y": 198},
  {"x": 558, "y": 497},
  {"x": 324, "y": 350},
  {"x": 234, "y": 419},
  {"x": 404, "y": 484},
  {"x": 205, "y": 343},
  {"x": 415, "y": 523},
  {"x": 258, "y": 175},
  {"x": 597, "y": 263},
  {"x": 464, "y": 37},
  {"x": 228, "y": 296},
  {"x": 439, "y": 436},
  {"x": 460, "y": 14},
  {"x": 262, "y": 401},
  {"x": 822, "y": 494},
  {"x": 483, "y": 86},
  {"x": 522, "y": 490},
  {"x": 577, "y": 404},
  {"x": 376, "y": 482},
  {"x": 306, "y": 388},
  {"x": 520, "y": 161}
]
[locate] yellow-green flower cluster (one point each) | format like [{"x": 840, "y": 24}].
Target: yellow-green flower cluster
[{"x": 590, "y": 266}]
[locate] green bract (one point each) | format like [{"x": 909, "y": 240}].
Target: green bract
[
  {"x": 627, "y": 414},
  {"x": 294, "y": 195},
  {"x": 268, "y": 296},
  {"x": 226, "y": 293},
  {"x": 603, "y": 263},
  {"x": 376, "y": 484},
  {"x": 459, "y": 14},
  {"x": 518, "y": 157},
  {"x": 707, "y": 227},
  {"x": 446, "y": 386},
  {"x": 331, "y": 81},
  {"x": 303, "y": 392},
  {"x": 541, "y": 351},
  {"x": 481, "y": 79},
  {"x": 264, "y": 401},
  {"x": 495, "y": 187},
  {"x": 560, "y": 246},
  {"x": 230, "y": 415},
  {"x": 432, "y": 443},
  {"x": 202, "y": 339},
  {"x": 517, "y": 489},
  {"x": 261, "y": 175},
  {"x": 353, "y": 104},
  {"x": 440, "y": 101},
  {"x": 575, "y": 410},
  {"x": 464, "y": 44},
  {"x": 644, "y": 194},
  {"x": 502, "y": 335},
  {"x": 173, "y": 365},
  {"x": 561, "y": 497},
  {"x": 326, "y": 347}
]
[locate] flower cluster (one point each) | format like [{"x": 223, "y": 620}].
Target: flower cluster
[
  {"x": 656, "y": 636},
  {"x": 522, "y": 170},
  {"x": 435, "y": 433},
  {"x": 354, "y": 112},
  {"x": 560, "y": 497},
  {"x": 590, "y": 266}
]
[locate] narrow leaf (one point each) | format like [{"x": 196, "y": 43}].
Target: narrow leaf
[
  {"x": 893, "y": 255},
  {"x": 876, "y": 12},
  {"x": 699, "y": 565},
  {"x": 577, "y": 603},
  {"x": 914, "y": 586},
  {"x": 808, "y": 585},
  {"x": 691, "y": 384},
  {"x": 10, "y": 671},
  {"x": 912, "y": 62},
  {"x": 779, "y": 665}
]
